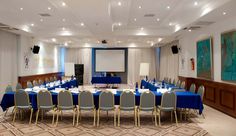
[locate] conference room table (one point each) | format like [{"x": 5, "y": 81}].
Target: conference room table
[
  {"x": 106, "y": 80},
  {"x": 184, "y": 99}
]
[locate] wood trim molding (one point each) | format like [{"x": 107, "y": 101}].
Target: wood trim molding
[
  {"x": 23, "y": 79},
  {"x": 219, "y": 95}
]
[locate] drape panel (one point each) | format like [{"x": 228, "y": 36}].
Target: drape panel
[
  {"x": 169, "y": 62},
  {"x": 8, "y": 60},
  {"x": 81, "y": 56}
]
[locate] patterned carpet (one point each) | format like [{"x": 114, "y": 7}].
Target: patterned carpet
[{"x": 106, "y": 128}]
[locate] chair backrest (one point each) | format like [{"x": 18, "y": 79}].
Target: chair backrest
[
  {"x": 192, "y": 88},
  {"x": 21, "y": 98},
  {"x": 86, "y": 99},
  {"x": 35, "y": 83},
  {"x": 201, "y": 91},
  {"x": 169, "y": 100},
  {"x": 51, "y": 79},
  {"x": 65, "y": 99},
  {"x": 174, "y": 82},
  {"x": 9, "y": 89},
  {"x": 147, "y": 99},
  {"x": 40, "y": 82},
  {"x": 106, "y": 99},
  {"x": 47, "y": 80},
  {"x": 55, "y": 78},
  {"x": 29, "y": 84},
  {"x": 127, "y": 99},
  {"x": 18, "y": 86},
  {"x": 169, "y": 81},
  {"x": 182, "y": 85},
  {"x": 44, "y": 98},
  {"x": 178, "y": 83}
]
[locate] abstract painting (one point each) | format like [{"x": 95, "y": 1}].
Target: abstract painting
[
  {"x": 228, "y": 56},
  {"x": 204, "y": 58}
]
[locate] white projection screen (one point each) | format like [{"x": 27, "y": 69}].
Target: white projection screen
[
  {"x": 110, "y": 61},
  {"x": 69, "y": 69}
]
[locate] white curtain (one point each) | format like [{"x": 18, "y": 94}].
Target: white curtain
[
  {"x": 137, "y": 56},
  {"x": 81, "y": 56},
  {"x": 169, "y": 62},
  {"x": 8, "y": 60}
]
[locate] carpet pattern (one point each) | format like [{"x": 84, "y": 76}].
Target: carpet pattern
[{"x": 106, "y": 128}]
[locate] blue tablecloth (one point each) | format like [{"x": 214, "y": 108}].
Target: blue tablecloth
[
  {"x": 106, "y": 80},
  {"x": 184, "y": 99},
  {"x": 152, "y": 87}
]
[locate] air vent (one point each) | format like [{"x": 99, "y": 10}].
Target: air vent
[
  {"x": 204, "y": 23},
  {"x": 6, "y": 27},
  {"x": 44, "y": 14},
  {"x": 149, "y": 15},
  {"x": 194, "y": 27}
]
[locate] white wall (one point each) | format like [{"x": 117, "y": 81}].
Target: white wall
[
  {"x": 188, "y": 47},
  {"x": 47, "y": 61}
]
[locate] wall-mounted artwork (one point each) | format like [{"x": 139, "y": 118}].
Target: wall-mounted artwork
[
  {"x": 204, "y": 58},
  {"x": 228, "y": 56}
]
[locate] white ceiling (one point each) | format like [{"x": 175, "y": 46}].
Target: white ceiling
[{"x": 121, "y": 25}]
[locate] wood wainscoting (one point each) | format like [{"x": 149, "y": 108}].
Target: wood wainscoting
[
  {"x": 23, "y": 79},
  {"x": 219, "y": 95}
]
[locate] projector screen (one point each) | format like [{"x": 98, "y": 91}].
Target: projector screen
[
  {"x": 69, "y": 69},
  {"x": 110, "y": 61}
]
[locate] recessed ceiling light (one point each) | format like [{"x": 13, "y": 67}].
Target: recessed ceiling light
[
  {"x": 195, "y": 3},
  {"x": 64, "y": 20},
  {"x": 63, "y": 28},
  {"x": 119, "y": 3},
  {"x": 159, "y": 39},
  {"x": 170, "y": 24},
  {"x": 168, "y": 7},
  {"x": 82, "y": 24},
  {"x": 49, "y": 8},
  {"x": 142, "y": 28},
  {"x": 190, "y": 30},
  {"x": 21, "y": 9},
  {"x": 32, "y": 24},
  {"x": 63, "y": 4},
  {"x": 54, "y": 40},
  {"x": 224, "y": 13},
  {"x": 158, "y": 19},
  {"x": 41, "y": 20},
  {"x": 139, "y": 7},
  {"x": 135, "y": 19},
  {"x": 119, "y": 24},
  {"x": 66, "y": 44}
]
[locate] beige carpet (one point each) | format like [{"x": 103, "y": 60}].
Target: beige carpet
[{"x": 106, "y": 128}]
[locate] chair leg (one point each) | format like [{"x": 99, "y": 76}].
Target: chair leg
[
  {"x": 98, "y": 113},
  {"x": 135, "y": 117},
  {"x": 53, "y": 115},
  {"x": 171, "y": 116},
  {"x": 159, "y": 113},
  {"x": 61, "y": 114},
  {"x": 118, "y": 117},
  {"x": 31, "y": 113},
  {"x": 77, "y": 119},
  {"x": 203, "y": 115},
  {"x": 114, "y": 117},
  {"x": 138, "y": 118},
  {"x": 176, "y": 120},
  {"x": 37, "y": 116},
  {"x": 94, "y": 117},
  {"x": 14, "y": 117},
  {"x": 155, "y": 113},
  {"x": 6, "y": 112},
  {"x": 57, "y": 117},
  {"x": 74, "y": 117}
]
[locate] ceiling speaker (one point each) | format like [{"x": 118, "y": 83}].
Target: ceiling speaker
[
  {"x": 174, "y": 49},
  {"x": 35, "y": 49}
]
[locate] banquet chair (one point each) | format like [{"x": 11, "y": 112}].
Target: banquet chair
[
  {"x": 169, "y": 81},
  {"x": 65, "y": 102},
  {"x": 35, "y": 83},
  {"x": 44, "y": 101},
  {"x": 174, "y": 82},
  {"x": 106, "y": 103},
  {"x": 127, "y": 103},
  {"x": 47, "y": 80},
  {"x": 55, "y": 78},
  {"x": 182, "y": 85},
  {"x": 147, "y": 103},
  {"x": 22, "y": 103},
  {"x": 86, "y": 102},
  {"x": 8, "y": 89},
  {"x": 51, "y": 79},
  {"x": 18, "y": 86},
  {"x": 168, "y": 104},
  {"x": 29, "y": 84},
  {"x": 192, "y": 88},
  {"x": 178, "y": 83},
  {"x": 201, "y": 92},
  {"x": 40, "y": 82}
]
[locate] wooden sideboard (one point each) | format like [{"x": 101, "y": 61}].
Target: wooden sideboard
[
  {"x": 219, "y": 95},
  {"x": 23, "y": 79}
]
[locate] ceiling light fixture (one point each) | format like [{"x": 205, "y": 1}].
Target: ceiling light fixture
[
  {"x": 21, "y": 9},
  {"x": 141, "y": 28},
  {"x": 54, "y": 40},
  {"x": 190, "y": 30},
  {"x": 41, "y": 20},
  {"x": 139, "y": 7},
  {"x": 195, "y": 3},
  {"x": 63, "y": 28},
  {"x": 160, "y": 39},
  {"x": 66, "y": 44},
  {"x": 63, "y": 4},
  {"x": 119, "y": 3},
  {"x": 158, "y": 19},
  {"x": 82, "y": 24},
  {"x": 224, "y": 13},
  {"x": 170, "y": 24},
  {"x": 135, "y": 19},
  {"x": 119, "y": 24},
  {"x": 49, "y": 8},
  {"x": 168, "y": 7},
  {"x": 32, "y": 24},
  {"x": 64, "y": 20}
]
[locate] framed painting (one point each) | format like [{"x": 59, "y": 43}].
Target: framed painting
[
  {"x": 204, "y": 58},
  {"x": 228, "y": 56}
]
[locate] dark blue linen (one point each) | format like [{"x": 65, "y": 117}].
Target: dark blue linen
[{"x": 106, "y": 80}]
